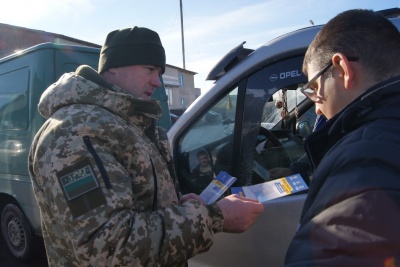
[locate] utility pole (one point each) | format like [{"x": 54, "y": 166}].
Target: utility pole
[{"x": 183, "y": 39}]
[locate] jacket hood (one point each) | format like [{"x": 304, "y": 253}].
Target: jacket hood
[{"x": 74, "y": 89}]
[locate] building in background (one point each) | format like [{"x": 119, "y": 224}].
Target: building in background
[
  {"x": 179, "y": 83},
  {"x": 14, "y": 38}
]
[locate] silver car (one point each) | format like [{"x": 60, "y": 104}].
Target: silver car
[{"x": 260, "y": 121}]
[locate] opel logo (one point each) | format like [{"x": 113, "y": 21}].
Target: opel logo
[{"x": 273, "y": 77}]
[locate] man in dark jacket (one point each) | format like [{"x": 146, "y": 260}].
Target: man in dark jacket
[{"x": 352, "y": 212}]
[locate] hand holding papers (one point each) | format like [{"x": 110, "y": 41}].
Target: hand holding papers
[
  {"x": 272, "y": 189},
  {"x": 217, "y": 187}
]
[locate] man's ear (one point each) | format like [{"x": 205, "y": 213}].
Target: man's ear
[{"x": 346, "y": 74}]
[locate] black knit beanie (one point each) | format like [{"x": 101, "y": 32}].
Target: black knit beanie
[{"x": 132, "y": 46}]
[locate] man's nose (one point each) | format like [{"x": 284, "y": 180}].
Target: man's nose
[{"x": 156, "y": 81}]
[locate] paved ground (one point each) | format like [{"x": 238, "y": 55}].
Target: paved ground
[{"x": 7, "y": 260}]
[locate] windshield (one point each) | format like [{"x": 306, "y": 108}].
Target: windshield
[{"x": 283, "y": 101}]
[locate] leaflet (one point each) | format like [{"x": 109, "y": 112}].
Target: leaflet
[
  {"x": 217, "y": 187},
  {"x": 272, "y": 189}
]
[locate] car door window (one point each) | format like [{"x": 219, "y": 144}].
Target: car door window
[
  {"x": 269, "y": 140},
  {"x": 205, "y": 148},
  {"x": 14, "y": 108}
]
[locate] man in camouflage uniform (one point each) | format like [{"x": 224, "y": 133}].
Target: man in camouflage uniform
[{"x": 102, "y": 173}]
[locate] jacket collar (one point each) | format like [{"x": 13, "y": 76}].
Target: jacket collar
[{"x": 369, "y": 106}]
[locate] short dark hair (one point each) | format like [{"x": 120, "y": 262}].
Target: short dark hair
[{"x": 358, "y": 33}]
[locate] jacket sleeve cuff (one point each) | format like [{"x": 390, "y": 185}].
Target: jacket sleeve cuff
[{"x": 217, "y": 218}]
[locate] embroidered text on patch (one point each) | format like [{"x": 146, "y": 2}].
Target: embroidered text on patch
[{"x": 78, "y": 182}]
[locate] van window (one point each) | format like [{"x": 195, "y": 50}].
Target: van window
[
  {"x": 269, "y": 138},
  {"x": 14, "y": 95},
  {"x": 205, "y": 149}
]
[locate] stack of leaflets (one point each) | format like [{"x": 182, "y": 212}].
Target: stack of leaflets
[
  {"x": 272, "y": 189},
  {"x": 217, "y": 187}
]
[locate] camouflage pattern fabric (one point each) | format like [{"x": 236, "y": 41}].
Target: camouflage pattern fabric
[{"x": 103, "y": 178}]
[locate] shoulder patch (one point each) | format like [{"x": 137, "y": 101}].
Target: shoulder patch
[
  {"x": 81, "y": 188},
  {"x": 78, "y": 182}
]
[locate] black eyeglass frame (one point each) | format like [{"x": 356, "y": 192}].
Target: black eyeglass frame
[{"x": 312, "y": 95}]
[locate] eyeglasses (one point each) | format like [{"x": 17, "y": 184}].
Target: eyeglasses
[{"x": 311, "y": 93}]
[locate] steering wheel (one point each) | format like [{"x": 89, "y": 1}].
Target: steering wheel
[
  {"x": 271, "y": 137},
  {"x": 271, "y": 156}
]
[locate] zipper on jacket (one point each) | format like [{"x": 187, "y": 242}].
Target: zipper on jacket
[
  {"x": 154, "y": 207},
  {"x": 155, "y": 186},
  {"x": 99, "y": 163}
]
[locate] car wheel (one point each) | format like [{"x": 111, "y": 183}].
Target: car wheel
[{"x": 17, "y": 233}]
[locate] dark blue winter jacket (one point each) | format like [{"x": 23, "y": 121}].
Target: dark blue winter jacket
[{"x": 351, "y": 216}]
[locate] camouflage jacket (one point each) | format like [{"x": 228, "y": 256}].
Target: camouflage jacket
[{"x": 101, "y": 174}]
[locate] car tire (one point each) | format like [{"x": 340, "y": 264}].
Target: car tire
[{"x": 17, "y": 233}]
